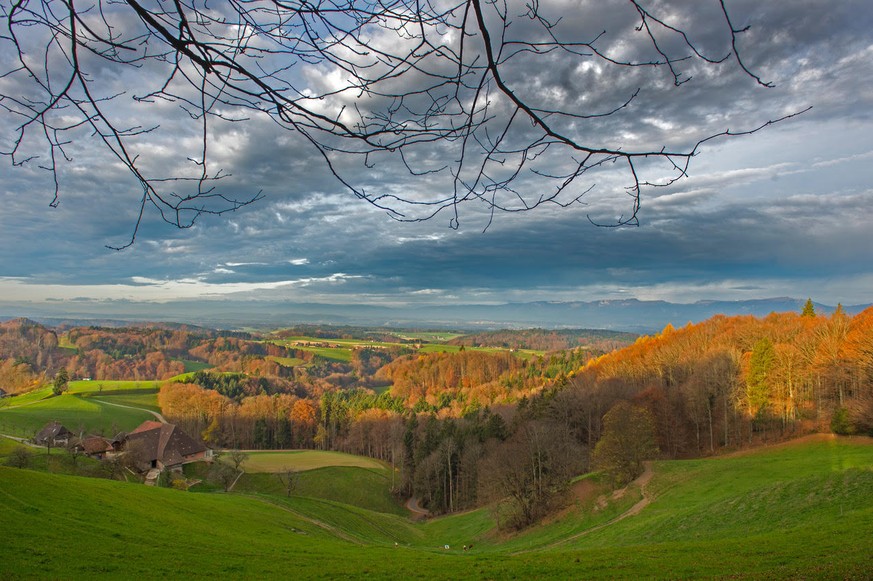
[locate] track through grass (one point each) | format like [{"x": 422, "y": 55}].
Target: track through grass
[{"x": 801, "y": 510}]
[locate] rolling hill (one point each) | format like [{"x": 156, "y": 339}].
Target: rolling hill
[{"x": 794, "y": 510}]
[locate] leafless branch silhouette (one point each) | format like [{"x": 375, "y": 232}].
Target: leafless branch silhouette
[{"x": 436, "y": 86}]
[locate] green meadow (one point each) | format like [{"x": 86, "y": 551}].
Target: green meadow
[
  {"x": 800, "y": 510},
  {"x": 91, "y": 406},
  {"x": 287, "y": 361},
  {"x": 192, "y": 366},
  {"x": 341, "y": 349}
]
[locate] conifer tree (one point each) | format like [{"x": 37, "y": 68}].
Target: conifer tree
[{"x": 808, "y": 309}]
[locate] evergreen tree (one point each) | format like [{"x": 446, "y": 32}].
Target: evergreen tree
[
  {"x": 808, "y": 309},
  {"x": 758, "y": 383}
]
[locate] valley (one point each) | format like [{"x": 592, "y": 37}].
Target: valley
[
  {"x": 738, "y": 447},
  {"x": 797, "y": 510}
]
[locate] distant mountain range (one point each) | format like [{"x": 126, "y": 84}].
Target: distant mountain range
[{"x": 622, "y": 315}]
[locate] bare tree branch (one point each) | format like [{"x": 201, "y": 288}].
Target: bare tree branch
[{"x": 439, "y": 89}]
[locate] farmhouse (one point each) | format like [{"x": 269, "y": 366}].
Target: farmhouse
[
  {"x": 95, "y": 446},
  {"x": 163, "y": 446},
  {"x": 53, "y": 434}
]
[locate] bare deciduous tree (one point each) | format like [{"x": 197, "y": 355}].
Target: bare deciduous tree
[
  {"x": 223, "y": 474},
  {"x": 237, "y": 457},
  {"x": 290, "y": 478},
  {"x": 529, "y": 471},
  {"x": 441, "y": 89}
]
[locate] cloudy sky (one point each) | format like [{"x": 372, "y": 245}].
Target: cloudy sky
[{"x": 783, "y": 212}]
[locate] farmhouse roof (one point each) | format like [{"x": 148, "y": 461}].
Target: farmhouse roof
[
  {"x": 96, "y": 445},
  {"x": 165, "y": 443},
  {"x": 53, "y": 431},
  {"x": 146, "y": 426}
]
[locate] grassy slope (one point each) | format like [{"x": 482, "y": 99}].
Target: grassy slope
[
  {"x": 74, "y": 411},
  {"x": 112, "y": 387},
  {"x": 355, "y": 486},
  {"x": 86, "y": 404},
  {"x": 800, "y": 510}
]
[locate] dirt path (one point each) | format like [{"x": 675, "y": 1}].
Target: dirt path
[
  {"x": 636, "y": 509},
  {"x": 20, "y": 440},
  {"x": 645, "y": 501},
  {"x": 157, "y": 415},
  {"x": 417, "y": 511},
  {"x": 238, "y": 476}
]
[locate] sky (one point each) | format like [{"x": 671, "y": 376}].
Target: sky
[{"x": 782, "y": 212}]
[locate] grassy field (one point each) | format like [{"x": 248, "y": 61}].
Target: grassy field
[
  {"x": 806, "y": 513},
  {"x": 428, "y": 336},
  {"x": 92, "y": 406},
  {"x": 192, "y": 366},
  {"x": 359, "y": 487},
  {"x": 270, "y": 461},
  {"x": 287, "y": 361},
  {"x": 796, "y": 511},
  {"x": 341, "y": 349},
  {"x": 138, "y": 394},
  {"x": 75, "y": 412},
  {"x": 102, "y": 387},
  {"x": 26, "y": 398}
]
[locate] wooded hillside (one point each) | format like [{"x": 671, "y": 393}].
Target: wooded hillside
[{"x": 471, "y": 425}]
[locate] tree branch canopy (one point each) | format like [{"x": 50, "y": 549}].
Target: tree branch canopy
[{"x": 496, "y": 106}]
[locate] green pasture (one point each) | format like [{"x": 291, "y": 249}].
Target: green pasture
[
  {"x": 440, "y": 348},
  {"x": 801, "y": 510},
  {"x": 7, "y": 445},
  {"x": 138, "y": 394},
  {"x": 193, "y": 366},
  {"x": 343, "y": 343},
  {"x": 343, "y": 351},
  {"x": 287, "y": 361},
  {"x": 145, "y": 400},
  {"x": 428, "y": 336},
  {"x": 28, "y": 398},
  {"x": 274, "y": 461},
  {"x": 101, "y": 387},
  {"x": 75, "y": 411},
  {"x": 796, "y": 486},
  {"x": 359, "y": 487},
  {"x": 340, "y": 354}
]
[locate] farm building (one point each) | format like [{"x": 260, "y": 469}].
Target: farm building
[
  {"x": 53, "y": 434},
  {"x": 95, "y": 446},
  {"x": 163, "y": 446}
]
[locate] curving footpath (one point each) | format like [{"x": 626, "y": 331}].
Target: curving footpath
[
  {"x": 641, "y": 481},
  {"x": 157, "y": 415},
  {"x": 417, "y": 511}
]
